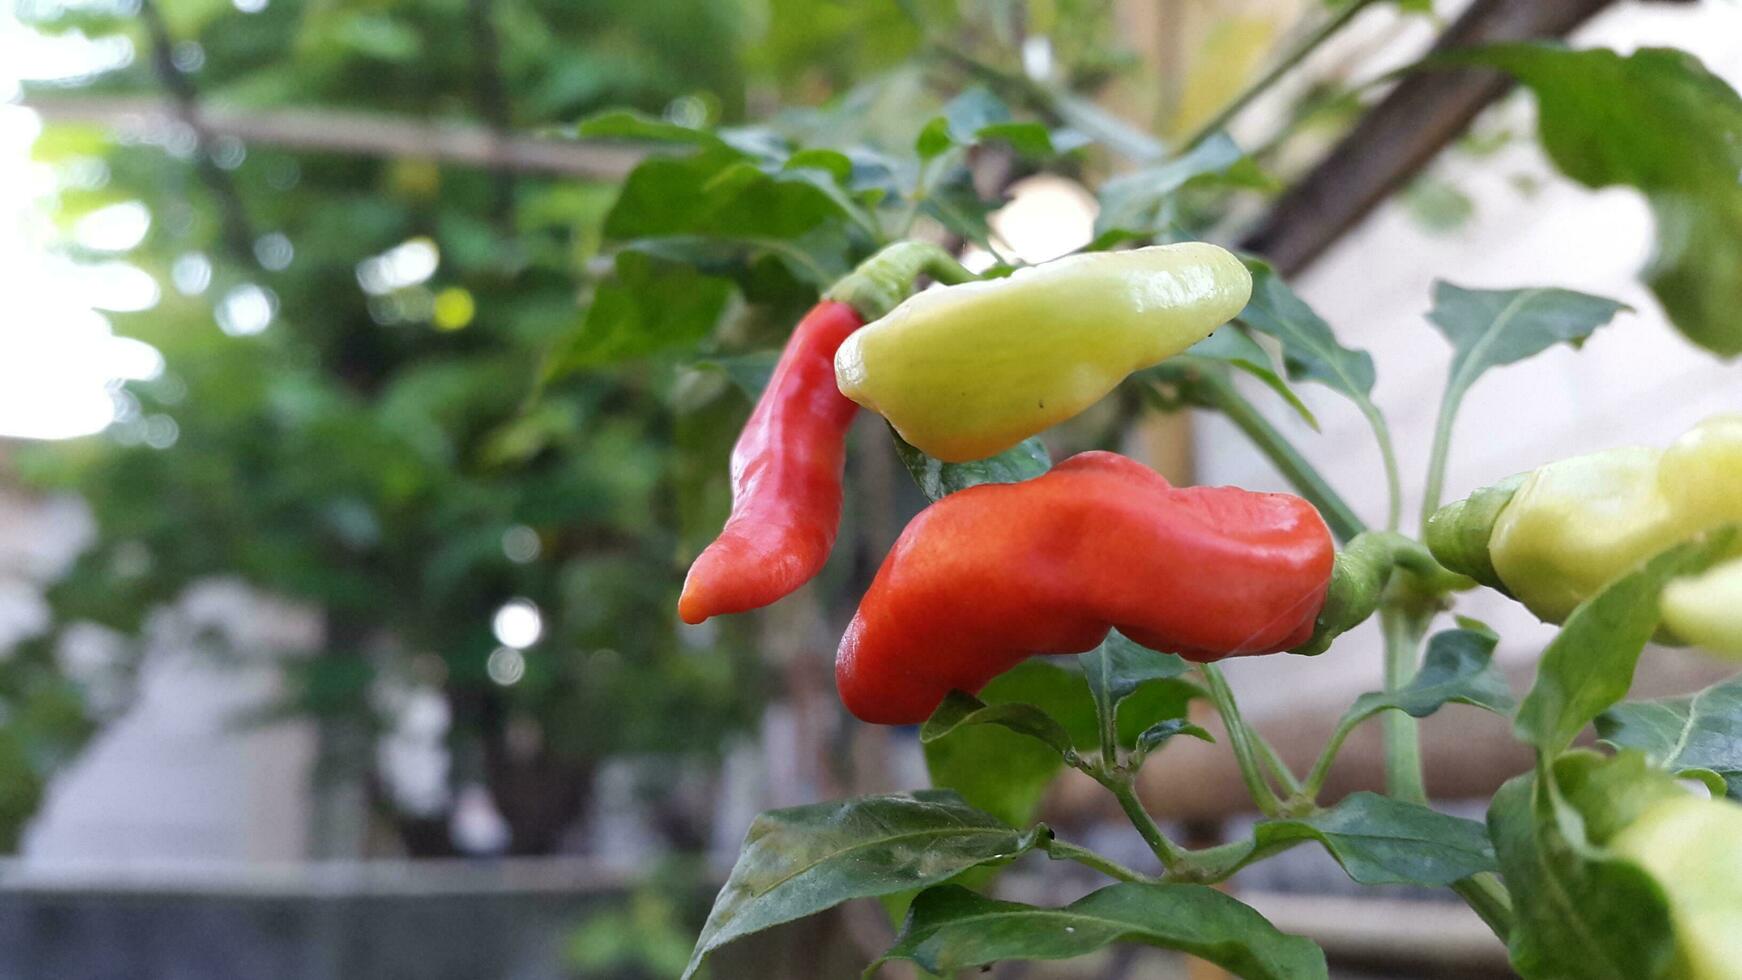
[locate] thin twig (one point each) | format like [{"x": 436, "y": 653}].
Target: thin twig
[{"x": 357, "y": 133}]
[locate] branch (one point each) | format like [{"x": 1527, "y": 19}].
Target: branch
[
  {"x": 1405, "y": 131},
  {"x": 359, "y": 133},
  {"x": 238, "y": 237}
]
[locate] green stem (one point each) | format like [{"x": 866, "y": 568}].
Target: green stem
[
  {"x": 1437, "y": 457},
  {"x": 1087, "y": 858},
  {"x": 1403, "y": 631},
  {"x": 1315, "y": 781},
  {"x": 1487, "y": 896},
  {"x": 1219, "y": 393},
  {"x": 1278, "y": 768},
  {"x": 1388, "y": 455},
  {"x": 1166, "y": 851},
  {"x": 1240, "y": 739},
  {"x": 1283, "y": 66}
]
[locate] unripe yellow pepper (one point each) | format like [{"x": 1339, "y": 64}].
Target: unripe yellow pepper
[
  {"x": 1706, "y": 609},
  {"x": 1572, "y": 527},
  {"x": 1693, "y": 848},
  {"x": 967, "y": 371}
]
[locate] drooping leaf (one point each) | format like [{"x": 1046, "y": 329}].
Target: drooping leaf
[
  {"x": 1458, "y": 666},
  {"x": 1232, "y": 345},
  {"x": 1589, "y": 665},
  {"x": 951, "y": 928},
  {"x": 1310, "y": 350},
  {"x": 1489, "y": 328},
  {"x": 938, "y": 479},
  {"x": 1379, "y": 840},
  {"x": 1693, "y": 735},
  {"x": 1577, "y": 913},
  {"x": 1660, "y": 121},
  {"x": 959, "y": 710},
  {"x": 998, "y": 770},
  {"x": 802, "y": 860}
]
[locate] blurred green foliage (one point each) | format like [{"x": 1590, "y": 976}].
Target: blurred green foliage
[{"x": 405, "y": 392}]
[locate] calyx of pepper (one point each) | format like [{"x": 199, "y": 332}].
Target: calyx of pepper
[
  {"x": 1359, "y": 578},
  {"x": 882, "y": 281},
  {"x": 1458, "y": 533}
]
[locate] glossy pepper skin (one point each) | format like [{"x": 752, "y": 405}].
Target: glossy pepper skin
[
  {"x": 1570, "y": 528},
  {"x": 1693, "y": 848},
  {"x": 987, "y": 576},
  {"x": 786, "y": 478},
  {"x": 1706, "y": 609},
  {"x": 971, "y": 370}
]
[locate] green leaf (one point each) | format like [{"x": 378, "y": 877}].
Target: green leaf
[
  {"x": 1577, "y": 913},
  {"x": 721, "y": 193},
  {"x": 1382, "y": 841},
  {"x": 1492, "y": 327},
  {"x": 1232, "y": 345},
  {"x": 1310, "y": 351},
  {"x": 933, "y": 139},
  {"x": 938, "y": 479},
  {"x": 1659, "y": 121},
  {"x": 998, "y": 770},
  {"x": 1589, "y": 665},
  {"x": 651, "y": 306},
  {"x": 1459, "y": 667},
  {"x": 959, "y": 710},
  {"x": 1155, "y": 735},
  {"x": 1139, "y": 202},
  {"x": 802, "y": 860},
  {"x": 749, "y": 372},
  {"x": 950, "y": 929},
  {"x": 628, "y": 124},
  {"x": 1119, "y": 666},
  {"x": 1029, "y": 139},
  {"x": 1696, "y": 734}
]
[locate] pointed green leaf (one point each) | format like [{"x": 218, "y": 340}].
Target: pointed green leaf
[
  {"x": 1577, "y": 913},
  {"x": 802, "y": 860},
  {"x": 950, "y": 929},
  {"x": 1492, "y": 327},
  {"x": 1459, "y": 666},
  {"x": 959, "y": 710},
  {"x": 1696, "y": 734},
  {"x": 1381, "y": 841},
  {"x": 1310, "y": 350}
]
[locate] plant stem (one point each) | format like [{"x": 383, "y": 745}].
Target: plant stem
[
  {"x": 1402, "y": 630},
  {"x": 1240, "y": 739},
  {"x": 1388, "y": 455},
  {"x": 1087, "y": 858},
  {"x": 1437, "y": 456},
  {"x": 1283, "y": 66},
  {"x": 1315, "y": 780},
  {"x": 1278, "y": 768},
  {"x": 1218, "y": 392},
  {"x": 1166, "y": 851},
  {"x": 1487, "y": 896}
]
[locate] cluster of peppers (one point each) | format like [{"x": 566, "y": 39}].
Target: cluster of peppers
[{"x": 995, "y": 573}]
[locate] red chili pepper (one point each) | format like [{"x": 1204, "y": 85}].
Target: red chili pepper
[
  {"x": 990, "y": 575},
  {"x": 786, "y": 478}
]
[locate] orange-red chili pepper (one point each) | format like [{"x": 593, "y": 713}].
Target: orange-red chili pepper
[
  {"x": 786, "y": 478},
  {"x": 990, "y": 575}
]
